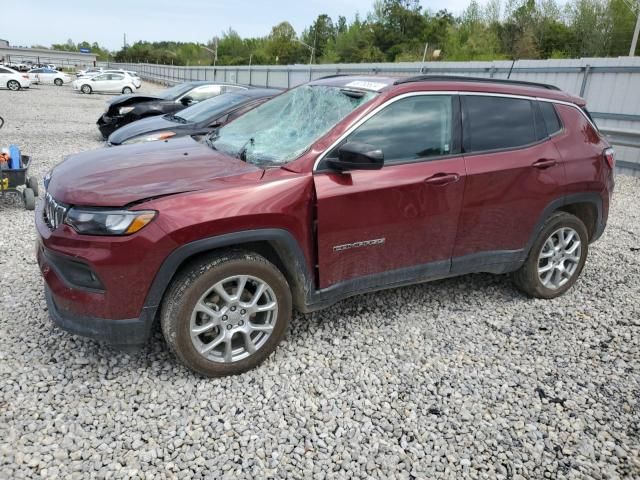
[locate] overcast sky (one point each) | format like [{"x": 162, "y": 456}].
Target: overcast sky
[{"x": 29, "y": 22}]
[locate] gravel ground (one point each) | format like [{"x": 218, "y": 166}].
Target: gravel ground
[{"x": 462, "y": 378}]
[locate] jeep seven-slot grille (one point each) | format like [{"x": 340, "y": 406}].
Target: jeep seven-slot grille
[{"x": 54, "y": 212}]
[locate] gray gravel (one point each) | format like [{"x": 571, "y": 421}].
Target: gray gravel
[{"x": 463, "y": 378}]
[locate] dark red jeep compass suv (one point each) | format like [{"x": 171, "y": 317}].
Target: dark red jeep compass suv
[{"x": 341, "y": 186}]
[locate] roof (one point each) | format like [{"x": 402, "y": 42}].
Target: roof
[{"x": 447, "y": 83}]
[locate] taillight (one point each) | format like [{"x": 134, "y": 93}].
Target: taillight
[{"x": 609, "y": 156}]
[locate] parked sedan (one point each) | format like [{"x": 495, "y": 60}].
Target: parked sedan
[
  {"x": 129, "y": 108},
  {"x": 198, "y": 119},
  {"x": 12, "y": 79},
  {"x": 48, "y": 75},
  {"x": 105, "y": 83}
]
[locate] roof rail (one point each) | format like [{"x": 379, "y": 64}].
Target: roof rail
[
  {"x": 334, "y": 75},
  {"x": 460, "y": 78}
]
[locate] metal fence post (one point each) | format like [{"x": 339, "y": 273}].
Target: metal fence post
[
  {"x": 288, "y": 79},
  {"x": 267, "y": 82},
  {"x": 583, "y": 87}
]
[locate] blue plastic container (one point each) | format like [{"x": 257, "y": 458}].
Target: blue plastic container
[{"x": 15, "y": 161}]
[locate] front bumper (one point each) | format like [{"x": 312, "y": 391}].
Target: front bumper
[
  {"x": 107, "y": 125},
  {"x": 127, "y": 332},
  {"x": 97, "y": 286}
]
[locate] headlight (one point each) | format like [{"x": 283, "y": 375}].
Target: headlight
[
  {"x": 149, "y": 138},
  {"x": 125, "y": 110},
  {"x": 103, "y": 221}
]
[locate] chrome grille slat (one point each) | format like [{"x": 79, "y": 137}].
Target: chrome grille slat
[{"x": 54, "y": 212}]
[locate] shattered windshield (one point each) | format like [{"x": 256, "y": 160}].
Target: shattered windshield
[{"x": 281, "y": 129}]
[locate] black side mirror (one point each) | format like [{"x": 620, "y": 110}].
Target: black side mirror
[
  {"x": 357, "y": 156},
  {"x": 186, "y": 100}
]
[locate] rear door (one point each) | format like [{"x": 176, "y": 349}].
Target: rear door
[
  {"x": 404, "y": 216},
  {"x": 513, "y": 172}
]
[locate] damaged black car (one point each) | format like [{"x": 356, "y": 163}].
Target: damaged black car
[
  {"x": 196, "y": 120},
  {"x": 125, "y": 109}
]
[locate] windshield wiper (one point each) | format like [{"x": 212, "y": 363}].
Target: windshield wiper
[
  {"x": 242, "y": 154},
  {"x": 211, "y": 139}
]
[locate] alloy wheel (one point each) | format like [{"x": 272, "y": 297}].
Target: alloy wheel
[
  {"x": 233, "y": 319},
  {"x": 559, "y": 258}
]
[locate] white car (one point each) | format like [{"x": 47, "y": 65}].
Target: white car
[
  {"x": 13, "y": 80},
  {"x": 48, "y": 75},
  {"x": 105, "y": 83},
  {"x": 135, "y": 79}
]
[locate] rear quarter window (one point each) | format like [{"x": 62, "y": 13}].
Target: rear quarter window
[
  {"x": 550, "y": 116},
  {"x": 497, "y": 123}
]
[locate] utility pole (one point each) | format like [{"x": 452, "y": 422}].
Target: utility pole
[
  {"x": 124, "y": 41},
  {"x": 635, "y": 9},
  {"x": 634, "y": 41}
]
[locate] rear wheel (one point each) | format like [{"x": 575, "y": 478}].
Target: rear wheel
[
  {"x": 226, "y": 314},
  {"x": 13, "y": 85},
  {"x": 85, "y": 89},
  {"x": 58, "y": 82},
  {"x": 29, "y": 199},
  {"x": 126, "y": 90},
  {"x": 556, "y": 258}
]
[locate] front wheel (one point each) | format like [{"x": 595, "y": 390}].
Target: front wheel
[
  {"x": 58, "y": 82},
  {"x": 556, "y": 258},
  {"x": 85, "y": 89},
  {"x": 227, "y": 313},
  {"x": 13, "y": 85},
  {"x": 29, "y": 199},
  {"x": 126, "y": 90}
]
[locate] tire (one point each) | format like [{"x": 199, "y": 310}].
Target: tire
[
  {"x": 86, "y": 89},
  {"x": 228, "y": 351},
  {"x": 126, "y": 91},
  {"x": 29, "y": 199},
  {"x": 561, "y": 267},
  {"x": 58, "y": 82},
  {"x": 13, "y": 85},
  {"x": 32, "y": 183}
]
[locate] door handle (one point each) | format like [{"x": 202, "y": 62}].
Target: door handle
[
  {"x": 545, "y": 163},
  {"x": 442, "y": 178}
]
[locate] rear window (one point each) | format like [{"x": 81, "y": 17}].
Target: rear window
[
  {"x": 551, "y": 120},
  {"x": 495, "y": 123}
]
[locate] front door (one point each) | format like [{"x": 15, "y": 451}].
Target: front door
[{"x": 401, "y": 218}]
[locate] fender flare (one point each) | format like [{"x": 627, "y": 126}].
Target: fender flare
[
  {"x": 285, "y": 245},
  {"x": 585, "y": 197}
]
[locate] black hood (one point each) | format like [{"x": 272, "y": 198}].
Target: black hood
[
  {"x": 147, "y": 126},
  {"x": 133, "y": 98}
]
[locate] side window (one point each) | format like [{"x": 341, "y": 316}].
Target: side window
[
  {"x": 493, "y": 123},
  {"x": 410, "y": 129},
  {"x": 3, "y": 70},
  {"x": 115, "y": 76},
  {"x": 551, "y": 120},
  {"x": 206, "y": 91},
  {"x": 99, "y": 78}
]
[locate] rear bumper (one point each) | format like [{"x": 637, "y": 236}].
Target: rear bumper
[{"x": 127, "y": 332}]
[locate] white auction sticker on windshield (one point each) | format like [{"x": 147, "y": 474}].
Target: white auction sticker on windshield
[{"x": 366, "y": 85}]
